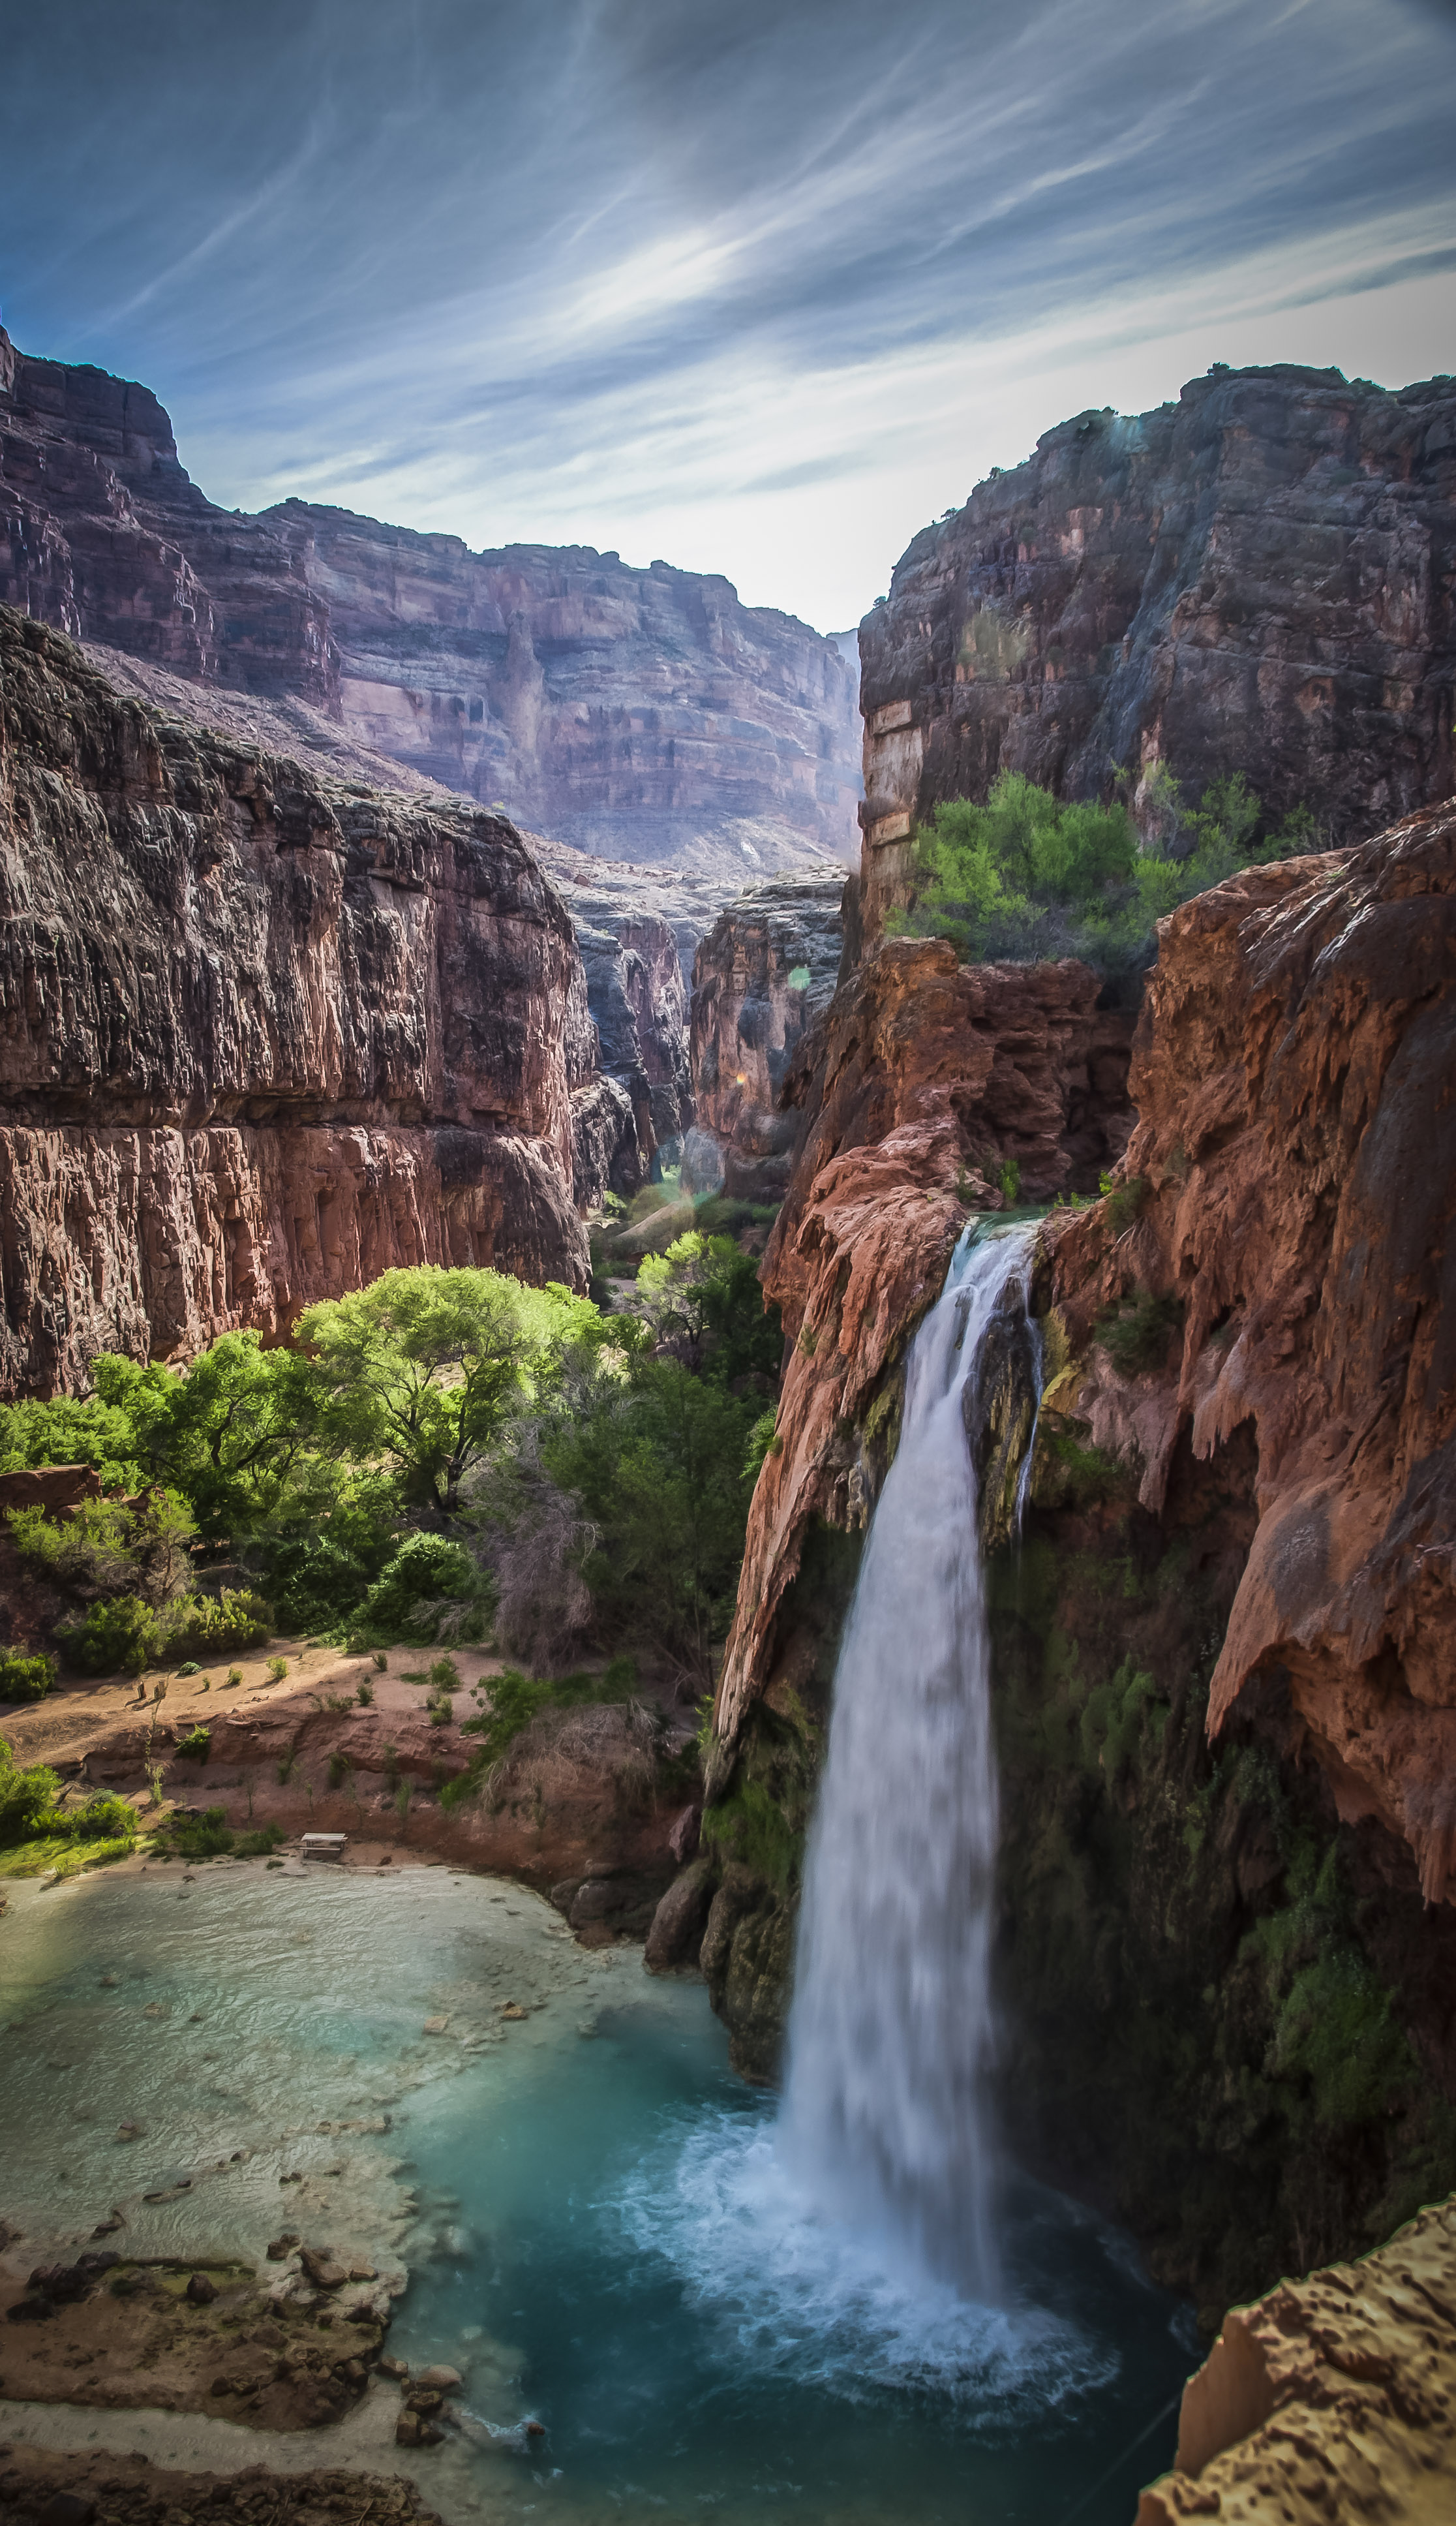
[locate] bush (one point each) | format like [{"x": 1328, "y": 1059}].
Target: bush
[
  {"x": 110, "y": 1546},
  {"x": 1137, "y": 1336},
  {"x": 104, "y": 1818},
  {"x": 313, "y": 1582},
  {"x": 1123, "y": 1201},
  {"x": 1028, "y": 875},
  {"x": 425, "y": 1569},
  {"x": 234, "y": 1620},
  {"x": 120, "y": 1636},
  {"x": 26, "y": 1679},
  {"x": 277, "y": 1670},
  {"x": 211, "y": 1837},
  {"x": 28, "y": 1798},
  {"x": 196, "y": 1746}
]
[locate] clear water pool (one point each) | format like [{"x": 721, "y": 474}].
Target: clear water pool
[{"x": 587, "y": 2202}]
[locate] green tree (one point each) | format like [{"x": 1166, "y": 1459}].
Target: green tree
[
  {"x": 702, "y": 1296},
  {"x": 657, "y": 1465},
  {"x": 230, "y": 1434},
  {"x": 422, "y": 1369}
]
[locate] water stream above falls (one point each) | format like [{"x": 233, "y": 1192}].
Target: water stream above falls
[{"x": 845, "y": 2312}]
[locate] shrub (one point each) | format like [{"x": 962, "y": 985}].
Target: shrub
[
  {"x": 402, "y": 1604},
  {"x": 1137, "y": 1336},
  {"x": 26, "y": 1798},
  {"x": 313, "y": 1581},
  {"x": 338, "y": 1769},
  {"x": 234, "y": 1620},
  {"x": 445, "y": 1675},
  {"x": 763, "y": 1441},
  {"x": 381, "y": 1663},
  {"x": 26, "y": 1679},
  {"x": 233, "y": 1679},
  {"x": 195, "y": 1746},
  {"x": 278, "y": 1668},
  {"x": 364, "y": 1693},
  {"x": 121, "y": 1635},
  {"x": 104, "y": 1818},
  {"x": 1010, "y": 1182},
  {"x": 1123, "y": 1201},
  {"x": 108, "y": 1546},
  {"x": 211, "y": 1837},
  {"x": 1028, "y": 875},
  {"x": 191, "y": 1668}
]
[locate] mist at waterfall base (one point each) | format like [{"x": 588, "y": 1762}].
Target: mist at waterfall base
[{"x": 713, "y": 2305}]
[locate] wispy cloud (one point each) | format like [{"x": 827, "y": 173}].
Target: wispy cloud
[{"x": 757, "y": 290}]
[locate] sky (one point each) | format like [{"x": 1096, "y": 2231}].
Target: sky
[{"x": 755, "y": 288}]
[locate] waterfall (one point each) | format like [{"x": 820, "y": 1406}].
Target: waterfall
[{"x": 884, "y": 2118}]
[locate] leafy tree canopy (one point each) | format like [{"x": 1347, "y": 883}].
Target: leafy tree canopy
[{"x": 422, "y": 1367}]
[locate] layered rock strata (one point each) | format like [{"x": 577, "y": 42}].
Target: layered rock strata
[
  {"x": 623, "y": 709},
  {"x": 260, "y": 1037},
  {"x": 1239, "y": 1527},
  {"x": 1292, "y": 1199},
  {"x": 1257, "y": 577},
  {"x": 922, "y": 1081},
  {"x": 643, "y": 711},
  {"x": 1333, "y": 2396},
  {"x": 765, "y": 971}
]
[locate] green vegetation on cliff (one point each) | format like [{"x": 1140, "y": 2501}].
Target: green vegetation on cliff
[{"x": 1028, "y": 875}]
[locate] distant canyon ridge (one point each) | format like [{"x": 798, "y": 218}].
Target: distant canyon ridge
[{"x": 642, "y": 714}]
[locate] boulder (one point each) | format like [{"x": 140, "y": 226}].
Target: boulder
[{"x": 681, "y": 1918}]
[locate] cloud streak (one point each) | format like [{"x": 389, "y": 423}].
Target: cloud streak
[{"x": 761, "y": 290}]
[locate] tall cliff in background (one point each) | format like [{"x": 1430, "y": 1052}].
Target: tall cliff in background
[
  {"x": 260, "y": 1037},
  {"x": 1258, "y": 577},
  {"x": 645, "y": 713}
]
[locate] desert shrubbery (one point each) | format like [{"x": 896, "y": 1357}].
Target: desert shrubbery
[{"x": 1028, "y": 876}]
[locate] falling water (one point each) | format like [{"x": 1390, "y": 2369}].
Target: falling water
[{"x": 883, "y": 2115}]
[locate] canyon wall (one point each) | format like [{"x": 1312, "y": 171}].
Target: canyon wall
[
  {"x": 262, "y": 1037},
  {"x": 1294, "y": 1165},
  {"x": 1222, "y": 1646},
  {"x": 639, "y": 712},
  {"x": 1258, "y": 577},
  {"x": 765, "y": 972}
]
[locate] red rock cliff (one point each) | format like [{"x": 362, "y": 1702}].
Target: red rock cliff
[
  {"x": 643, "y": 712},
  {"x": 1258, "y": 577},
  {"x": 260, "y": 1037},
  {"x": 1294, "y": 1076},
  {"x": 920, "y": 1079}
]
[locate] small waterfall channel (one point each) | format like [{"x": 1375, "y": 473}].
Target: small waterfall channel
[{"x": 884, "y": 2118}]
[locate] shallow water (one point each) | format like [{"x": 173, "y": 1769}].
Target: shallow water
[{"x": 597, "y": 2228}]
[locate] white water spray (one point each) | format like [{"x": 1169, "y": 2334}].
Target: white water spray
[{"x": 883, "y": 2119}]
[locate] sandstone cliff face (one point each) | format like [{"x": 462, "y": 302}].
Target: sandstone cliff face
[
  {"x": 1258, "y": 577},
  {"x": 637, "y": 711},
  {"x": 260, "y": 1038},
  {"x": 766, "y": 969},
  {"x": 920, "y": 1079},
  {"x": 1243, "y": 1528},
  {"x": 1296, "y": 1146},
  {"x": 1332, "y": 2398}
]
